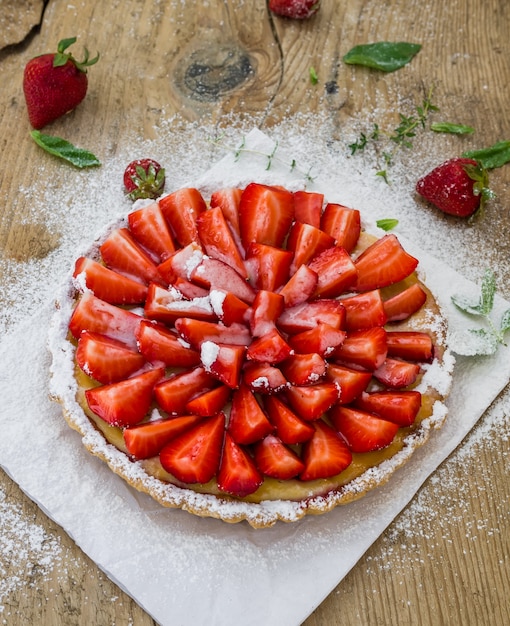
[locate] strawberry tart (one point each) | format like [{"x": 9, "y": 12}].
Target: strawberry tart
[{"x": 254, "y": 355}]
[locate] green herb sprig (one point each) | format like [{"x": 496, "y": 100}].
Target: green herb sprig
[
  {"x": 491, "y": 337},
  {"x": 270, "y": 157},
  {"x": 401, "y": 136}
]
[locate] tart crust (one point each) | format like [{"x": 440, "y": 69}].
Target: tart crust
[{"x": 275, "y": 500}]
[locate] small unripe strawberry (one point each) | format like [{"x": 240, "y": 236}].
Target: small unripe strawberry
[
  {"x": 55, "y": 84},
  {"x": 144, "y": 178},
  {"x": 458, "y": 187}
]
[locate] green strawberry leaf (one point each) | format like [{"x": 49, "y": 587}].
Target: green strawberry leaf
[
  {"x": 65, "y": 150},
  {"x": 492, "y": 157},
  {"x": 387, "y": 223},
  {"x": 453, "y": 129},
  {"x": 386, "y": 56}
]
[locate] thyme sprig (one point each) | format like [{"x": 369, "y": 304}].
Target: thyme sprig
[
  {"x": 270, "y": 157},
  {"x": 401, "y": 136}
]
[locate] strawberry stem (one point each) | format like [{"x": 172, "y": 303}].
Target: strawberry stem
[{"x": 62, "y": 57}]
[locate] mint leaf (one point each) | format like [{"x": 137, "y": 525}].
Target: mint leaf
[
  {"x": 486, "y": 339},
  {"x": 386, "y": 56},
  {"x": 453, "y": 129},
  {"x": 466, "y": 305},
  {"x": 488, "y": 290},
  {"x": 505, "y": 322},
  {"x": 63, "y": 149},
  {"x": 387, "y": 223},
  {"x": 492, "y": 157},
  {"x": 486, "y": 342}
]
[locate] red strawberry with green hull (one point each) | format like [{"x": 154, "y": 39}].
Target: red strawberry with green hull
[
  {"x": 55, "y": 84},
  {"x": 143, "y": 179},
  {"x": 457, "y": 187},
  {"x": 295, "y": 9}
]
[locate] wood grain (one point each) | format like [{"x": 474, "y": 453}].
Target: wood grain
[{"x": 447, "y": 562}]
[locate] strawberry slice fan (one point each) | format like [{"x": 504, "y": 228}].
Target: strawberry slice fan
[{"x": 256, "y": 347}]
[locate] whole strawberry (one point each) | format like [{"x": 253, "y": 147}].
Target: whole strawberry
[
  {"x": 144, "y": 178},
  {"x": 458, "y": 187},
  {"x": 55, "y": 84},
  {"x": 296, "y": 9}
]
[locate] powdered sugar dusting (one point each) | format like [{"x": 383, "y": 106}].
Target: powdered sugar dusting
[
  {"x": 34, "y": 551},
  {"x": 95, "y": 203}
]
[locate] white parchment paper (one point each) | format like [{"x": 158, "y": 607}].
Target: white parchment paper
[{"x": 185, "y": 570}]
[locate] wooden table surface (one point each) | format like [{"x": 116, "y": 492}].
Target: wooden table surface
[{"x": 446, "y": 564}]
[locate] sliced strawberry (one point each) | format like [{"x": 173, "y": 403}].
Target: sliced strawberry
[
  {"x": 99, "y": 316},
  {"x": 127, "y": 402},
  {"x": 194, "y": 455},
  {"x": 264, "y": 378},
  {"x": 107, "y": 284},
  {"x": 351, "y": 382},
  {"x": 265, "y": 214},
  {"x": 399, "y": 407},
  {"x": 290, "y": 428},
  {"x": 363, "y": 348},
  {"x": 322, "y": 339},
  {"x": 228, "y": 199},
  {"x": 158, "y": 343},
  {"x": 209, "y": 402},
  {"x": 308, "y": 207},
  {"x": 238, "y": 475},
  {"x": 325, "y": 454},
  {"x": 223, "y": 361},
  {"x": 336, "y": 271},
  {"x": 218, "y": 275},
  {"x": 174, "y": 393},
  {"x": 146, "y": 440},
  {"x": 307, "y": 315},
  {"x": 182, "y": 263},
  {"x": 310, "y": 402},
  {"x": 122, "y": 253},
  {"x": 248, "y": 422},
  {"x": 270, "y": 348},
  {"x": 300, "y": 286},
  {"x": 306, "y": 241},
  {"x": 363, "y": 431},
  {"x": 410, "y": 345},
  {"x": 229, "y": 308},
  {"x": 304, "y": 369},
  {"x": 383, "y": 263},
  {"x": 275, "y": 459},
  {"x": 268, "y": 267},
  {"x": 189, "y": 290},
  {"x": 196, "y": 332},
  {"x": 181, "y": 210},
  {"x": 106, "y": 360},
  {"x": 217, "y": 239},
  {"x": 396, "y": 374},
  {"x": 167, "y": 305},
  {"x": 343, "y": 224},
  {"x": 266, "y": 309},
  {"x": 150, "y": 229},
  {"x": 404, "y": 304},
  {"x": 364, "y": 310}
]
